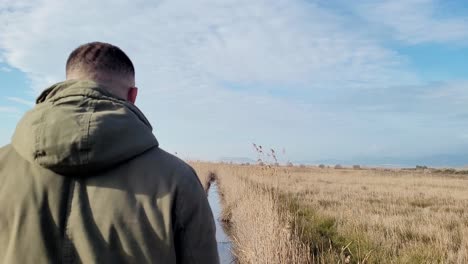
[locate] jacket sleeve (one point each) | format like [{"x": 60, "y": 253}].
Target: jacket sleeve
[{"x": 195, "y": 230}]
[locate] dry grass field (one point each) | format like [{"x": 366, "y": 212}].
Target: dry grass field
[{"x": 313, "y": 215}]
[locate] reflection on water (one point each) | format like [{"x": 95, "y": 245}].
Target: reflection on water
[{"x": 224, "y": 243}]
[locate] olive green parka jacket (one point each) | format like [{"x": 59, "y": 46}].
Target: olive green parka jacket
[{"x": 84, "y": 181}]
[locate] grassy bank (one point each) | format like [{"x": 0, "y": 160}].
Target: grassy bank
[{"x": 256, "y": 225}]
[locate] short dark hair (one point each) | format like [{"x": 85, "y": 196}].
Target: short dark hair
[{"x": 100, "y": 56}]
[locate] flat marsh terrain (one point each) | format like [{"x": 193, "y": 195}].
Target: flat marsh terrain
[{"x": 314, "y": 215}]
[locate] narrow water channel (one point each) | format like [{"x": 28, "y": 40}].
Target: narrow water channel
[{"x": 224, "y": 243}]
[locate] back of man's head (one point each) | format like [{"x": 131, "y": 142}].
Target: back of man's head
[{"x": 105, "y": 64}]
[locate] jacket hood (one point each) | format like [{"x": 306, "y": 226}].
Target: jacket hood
[{"x": 78, "y": 127}]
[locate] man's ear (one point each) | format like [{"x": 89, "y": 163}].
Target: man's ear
[{"x": 132, "y": 95}]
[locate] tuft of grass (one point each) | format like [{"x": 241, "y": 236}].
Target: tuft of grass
[
  {"x": 321, "y": 234},
  {"x": 421, "y": 254},
  {"x": 423, "y": 202}
]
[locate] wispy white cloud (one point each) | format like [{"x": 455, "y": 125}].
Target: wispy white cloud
[
  {"x": 5, "y": 69},
  {"x": 9, "y": 110},
  {"x": 415, "y": 21},
  {"x": 455, "y": 92},
  {"x": 21, "y": 101}
]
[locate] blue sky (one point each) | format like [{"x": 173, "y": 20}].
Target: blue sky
[{"x": 369, "y": 82}]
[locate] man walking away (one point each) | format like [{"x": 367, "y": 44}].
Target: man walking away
[{"x": 84, "y": 181}]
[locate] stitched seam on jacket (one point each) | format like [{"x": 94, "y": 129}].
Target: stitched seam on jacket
[{"x": 87, "y": 140}]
